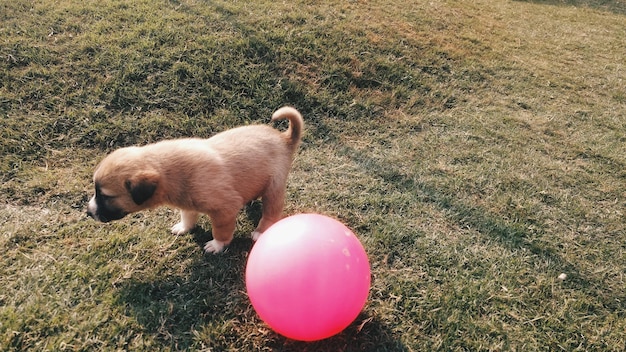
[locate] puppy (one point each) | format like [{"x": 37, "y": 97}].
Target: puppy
[{"x": 215, "y": 176}]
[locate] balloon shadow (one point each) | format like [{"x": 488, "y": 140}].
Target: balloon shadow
[
  {"x": 366, "y": 333},
  {"x": 206, "y": 304}
]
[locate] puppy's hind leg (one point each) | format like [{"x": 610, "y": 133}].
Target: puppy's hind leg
[
  {"x": 187, "y": 222},
  {"x": 273, "y": 203}
]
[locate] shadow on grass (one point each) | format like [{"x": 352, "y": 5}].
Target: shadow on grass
[
  {"x": 207, "y": 306},
  {"x": 366, "y": 333},
  {"x": 518, "y": 235},
  {"x": 614, "y": 6},
  {"x": 173, "y": 308}
]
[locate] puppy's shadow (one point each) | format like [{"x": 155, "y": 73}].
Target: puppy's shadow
[
  {"x": 172, "y": 303},
  {"x": 193, "y": 297}
]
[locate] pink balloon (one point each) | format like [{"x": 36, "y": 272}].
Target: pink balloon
[{"x": 308, "y": 277}]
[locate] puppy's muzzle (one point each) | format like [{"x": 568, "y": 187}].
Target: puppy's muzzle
[
  {"x": 98, "y": 217},
  {"x": 94, "y": 216},
  {"x": 102, "y": 212},
  {"x": 92, "y": 210}
]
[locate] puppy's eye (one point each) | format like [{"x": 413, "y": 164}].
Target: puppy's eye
[
  {"x": 107, "y": 197},
  {"x": 103, "y": 196}
]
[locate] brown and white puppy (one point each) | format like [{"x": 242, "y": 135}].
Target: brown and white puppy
[{"x": 215, "y": 176}]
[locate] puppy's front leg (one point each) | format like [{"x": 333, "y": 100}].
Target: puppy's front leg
[
  {"x": 187, "y": 222},
  {"x": 223, "y": 227}
]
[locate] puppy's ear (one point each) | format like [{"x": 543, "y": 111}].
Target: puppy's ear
[{"x": 142, "y": 186}]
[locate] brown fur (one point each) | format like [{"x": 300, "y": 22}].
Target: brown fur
[{"x": 215, "y": 176}]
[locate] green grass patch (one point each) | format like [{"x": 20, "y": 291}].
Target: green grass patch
[{"x": 476, "y": 148}]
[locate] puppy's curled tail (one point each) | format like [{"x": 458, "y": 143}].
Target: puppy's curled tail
[{"x": 296, "y": 124}]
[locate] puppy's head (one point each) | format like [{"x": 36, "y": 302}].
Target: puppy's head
[{"x": 124, "y": 183}]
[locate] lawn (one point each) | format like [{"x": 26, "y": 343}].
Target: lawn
[{"x": 476, "y": 148}]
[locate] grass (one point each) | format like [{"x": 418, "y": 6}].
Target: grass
[{"x": 476, "y": 148}]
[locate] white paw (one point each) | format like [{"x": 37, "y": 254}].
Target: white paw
[
  {"x": 255, "y": 235},
  {"x": 214, "y": 246},
  {"x": 181, "y": 229}
]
